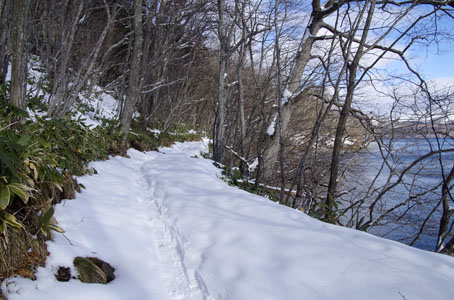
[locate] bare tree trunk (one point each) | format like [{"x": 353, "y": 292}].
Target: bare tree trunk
[
  {"x": 241, "y": 102},
  {"x": 281, "y": 132},
  {"x": 240, "y": 90},
  {"x": 60, "y": 82},
  {"x": 292, "y": 90},
  {"x": 133, "y": 92},
  {"x": 4, "y": 28},
  {"x": 445, "y": 220},
  {"x": 19, "y": 55},
  {"x": 86, "y": 70},
  {"x": 219, "y": 128},
  {"x": 321, "y": 116}
]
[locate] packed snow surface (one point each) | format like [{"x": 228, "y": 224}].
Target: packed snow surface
[{"x": 174, "y": 230}]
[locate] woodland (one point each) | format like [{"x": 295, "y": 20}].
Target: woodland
[{"x": 291, "y": 93}]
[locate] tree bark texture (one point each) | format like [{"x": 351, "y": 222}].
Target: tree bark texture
[
  {"x": 4, "y": 28},
  {"x": 19, "y": 55},
  {"x": 133, "y": 92},
  {"x": 293, "y": 86},
  {"x": 219, "y": 127},
  {"x": 445, "y": 221}
]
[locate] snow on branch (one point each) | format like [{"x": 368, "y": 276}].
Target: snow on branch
[
  {"x": 236, "y": 154},
  {"x": 286, "y": 95},
  {"x": 251, "y": 166}
]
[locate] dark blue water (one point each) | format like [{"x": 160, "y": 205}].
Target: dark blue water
[{"x": 419, "y": 191}]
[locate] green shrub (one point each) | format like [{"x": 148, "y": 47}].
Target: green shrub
[
  {"x": 179, "y": 133},
  {"x": 233, "y": 177},
  {"x": 37, "y": 155}
]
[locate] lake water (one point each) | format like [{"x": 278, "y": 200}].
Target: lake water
[{"x": 419, "y": 190}]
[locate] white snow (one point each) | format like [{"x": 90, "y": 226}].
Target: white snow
[
  {"x": 252, "y": 166},
  {"x": 156, "y": 132},
  {"x": 348, "y": 142},
  {"x": 174, "y": 230},
  {"x": 106, "y": 107},
  {"x": 272, "y": 127},
  {"x": 286, "y": 95}
]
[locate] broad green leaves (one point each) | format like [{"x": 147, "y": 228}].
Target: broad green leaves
[
  {"x": 5, "y": 196},
  {"x": 7, "y": 219},
  {"x": 8, "y": 191},
  {"x": 46, "y": 225},
  {"x": 20, "y": 190}
]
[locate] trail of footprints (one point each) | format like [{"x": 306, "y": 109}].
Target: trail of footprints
[{"x": 180, "y": 282}]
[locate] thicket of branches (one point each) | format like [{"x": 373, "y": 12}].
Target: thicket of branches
[{"x": 280, "y": 86}]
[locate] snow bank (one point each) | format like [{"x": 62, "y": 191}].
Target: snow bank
[
  {"x": 106, "y": 107},
  {"x": 174, "y": 230}
]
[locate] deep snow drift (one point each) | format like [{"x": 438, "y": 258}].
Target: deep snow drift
[{"x": 174, "y": 230}]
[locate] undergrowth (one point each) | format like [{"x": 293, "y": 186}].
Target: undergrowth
[
  {"x": 319, "y": 210},
  {"x": 233, "y": 177}
]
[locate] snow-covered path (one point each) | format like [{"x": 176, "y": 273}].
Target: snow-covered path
[{"x": 174, "y": 230}]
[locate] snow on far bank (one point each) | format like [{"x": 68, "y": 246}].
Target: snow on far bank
[{"x": 174, "y": 230}]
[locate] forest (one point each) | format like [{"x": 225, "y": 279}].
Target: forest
[{"x": 319, "y": 105}]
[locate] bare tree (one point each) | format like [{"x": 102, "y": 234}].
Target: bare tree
[
  {"x": 224, "y": 32},
  {"x": 230, "y": 21},
  {"x": 67, "y": 34},
  {"x": 241, "y": 7},
  {"x": 351, "y": 83},
  {"x": 293, "y": 87},
  {"x": 379, "y": 211}
]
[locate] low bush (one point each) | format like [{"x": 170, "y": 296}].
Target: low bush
[{"x": 38, "y": 158}]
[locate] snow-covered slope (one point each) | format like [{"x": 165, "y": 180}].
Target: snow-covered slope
[{"x": 174, "y": 230}]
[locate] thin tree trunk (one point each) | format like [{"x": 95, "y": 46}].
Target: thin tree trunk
[
  {"x": 86, "y": 70},
  {"x": 340, "y": 130},
  {"x": 445, "y": 220},
  {"x": 218, "y": 147},
  {"x": 293, "y": 88},
  {"x": 60, "y": 79},
  {"x": 133, "y": 93},
  {"x": 4, "y": 28},
  {"x": 241, "y": 103},
  {"x": 240, "y": 87},
  {"x": 19, "y": 56},
  {"x": 219, "y": 130},
  {"x": 277, "y": 49}
]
